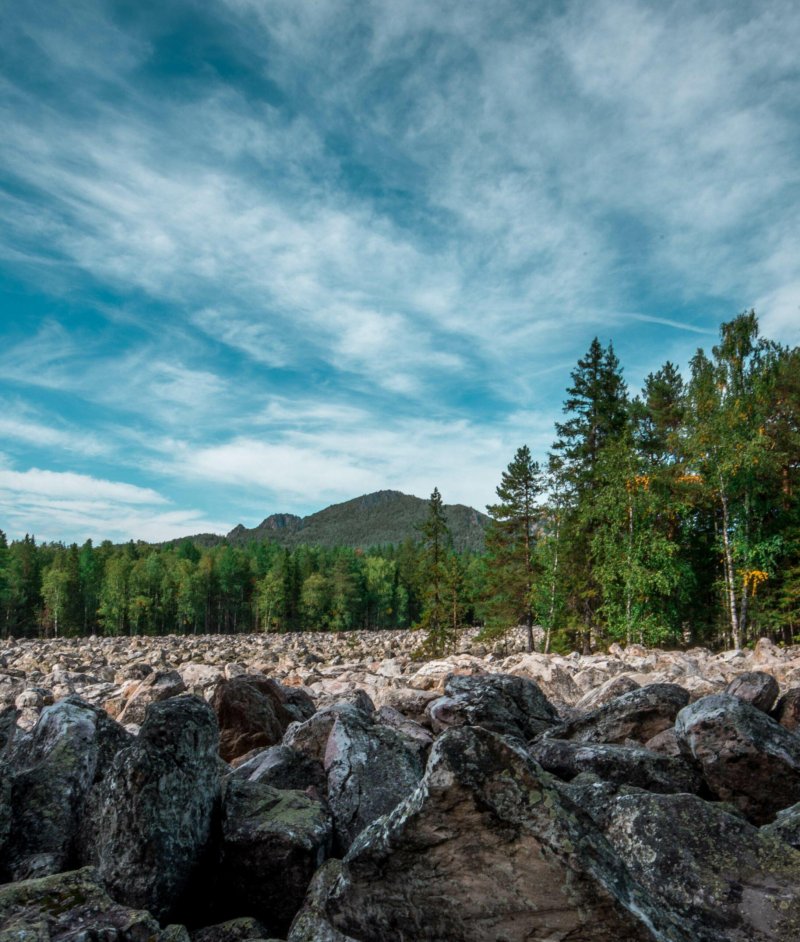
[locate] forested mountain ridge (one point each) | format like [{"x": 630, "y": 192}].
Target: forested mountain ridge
[{"x": 379, "y": 519}]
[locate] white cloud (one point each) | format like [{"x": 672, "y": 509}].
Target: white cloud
[
  {"x": 69, "y": 507},
  {"x": 26, "y": 429},
  {"x": 67, "y": 484}
]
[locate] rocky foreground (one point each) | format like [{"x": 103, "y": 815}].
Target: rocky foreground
[{"x": 318, "y": 788}]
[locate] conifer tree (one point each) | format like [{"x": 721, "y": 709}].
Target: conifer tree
[
  {"x": 436, "y": 542},
  {"x": 510, "y": 540},
  {"x": 597, "y": 410}
]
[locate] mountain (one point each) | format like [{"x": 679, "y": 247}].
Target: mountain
[{"x": 371, "y": 520}]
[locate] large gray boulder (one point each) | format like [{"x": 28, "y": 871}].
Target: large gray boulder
[
  {"x": 70, "y": 750},
  {"x": 149, "y": 820},
  {"x": 272, "y": 842},
  {"x": 370, "y": 769},
  {"x": 636, "y": 716},
  {"x": 70, "y": 907},
  {"x": 747, "y": 758},
  {"x": 502, "y": 703},
  {"x": 485, "y": 848},
  {"x": 708, "y": 869},
  {"x": 623, "y": 765}
]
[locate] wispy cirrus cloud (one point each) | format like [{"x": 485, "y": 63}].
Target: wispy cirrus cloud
[{"x": 380, "y": 234}]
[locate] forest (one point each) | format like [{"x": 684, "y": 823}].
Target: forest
[{"x": 666, "y": 517}]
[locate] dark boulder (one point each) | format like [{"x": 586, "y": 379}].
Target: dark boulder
[
  {"x": 502, "y": 703},
  {"x": 8, "y": 727},
  {"x": 747, "y": 758},
  {"x": 415, "y": 735},
  {"x": 70, "y": 907},
  {"x": 623, "y": 765},
  {"x": 709, "y": 870},
  {"x": 311, "y": 737},
  {"x": 234, "y": 930},
  {"x": 254, "y": 711},
  {"x": 370, "y": 770},
  {"x": 757, "y": 688},
  {"x": 70, "y": 750},
  {"x": 787, "y": 709},
  {"x": 636, "y": 716},
  {"x": 272, "y": 843},
  {"x": 485, "y": 848},
  {"x": 283, "y": 767},
  {"x": 786, "y": 826},
  {"x": 149, "y": 820}
]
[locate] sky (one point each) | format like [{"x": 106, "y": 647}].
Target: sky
[{"x": 266, "y": 255}]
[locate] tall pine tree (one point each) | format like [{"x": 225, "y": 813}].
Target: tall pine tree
[{"x": 510, "y": 541}]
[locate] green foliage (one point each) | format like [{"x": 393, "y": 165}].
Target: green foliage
[
  {"x": 442, "y": 580},
  {"x": 670, "y": 518},
  {"x": 510, "y": 541}
]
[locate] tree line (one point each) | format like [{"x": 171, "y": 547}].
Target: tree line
[
  {"x": 52, "y": 590},
  {"x": 669, "y": 517},
  {"x": 665, "y": 517}
]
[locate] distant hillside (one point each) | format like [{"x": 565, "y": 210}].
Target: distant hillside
[{"x": 372, "y": 520}]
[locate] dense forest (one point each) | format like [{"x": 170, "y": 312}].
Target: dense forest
[{"x": 669, "y": 517}]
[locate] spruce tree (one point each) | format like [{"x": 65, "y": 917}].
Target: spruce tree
[
  {"x": 510, "y": 540},
  {"x": 597, "y": 415},
  {"x": 433, "y": 573},
  {"x": 597, "y": 406}
]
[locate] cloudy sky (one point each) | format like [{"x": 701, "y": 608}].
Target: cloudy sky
[{"x": 264, "y": 255}]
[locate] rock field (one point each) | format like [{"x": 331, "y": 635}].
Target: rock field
[{"x": 334, "y": 788}]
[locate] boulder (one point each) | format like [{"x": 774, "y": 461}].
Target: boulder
[
  {"x": 787, "y": 709},
  {"x": 5, "y": 814},
  {"x": 709, "y": 870},
  {"x": 283, "y": 767},
  {"x": 636, "y": 716},
  {"x": 756, "y": 688},
  {"x": 370, "y": 770},
  {"x": 69, "y": 907},
  {"x": 415, "y": 735},
  {"x": 149, "y": 820},
  {"x": 747, "y": 758},
  {"x": 254, "y": 711},
  {"x": 665, "y": 743},
  {"x": 272, "y": 843},
  {"x": 70, "y": 749},
  {"x": 234, "y": 930},
  {"x": 156, "y": 686},
  {"x": 501, "y": 703},
  {"x": 623, "y": 765},
  {"x": 786, "y": 826},
  {"x": 608, "y": 690},
  {"x": 8, "y": 727},
  {"x": 311, "y": 737},
  {"x": 485, "y": 848}
]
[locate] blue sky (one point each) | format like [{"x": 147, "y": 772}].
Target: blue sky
[{"x": 264, "y": 255}]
